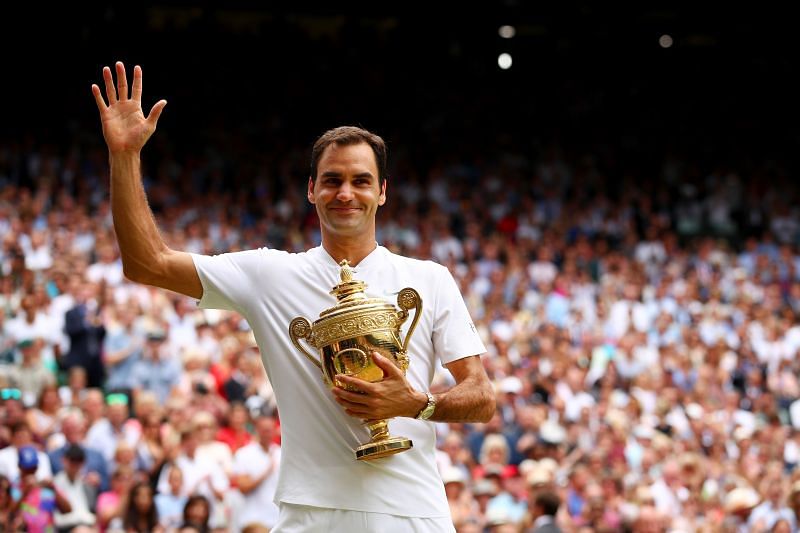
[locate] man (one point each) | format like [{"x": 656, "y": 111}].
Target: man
[
  {"x": 107, "y": 433},
  {"x": 72, "y": 483},
  {"x": 156, "y": 370},
  {"x": 74, "y": 429},
  {"x": 545, "y": 508},
  {"x": 84, "y": 326},
  {"x": 270, "y": 287},
  {"x": 255, "y": 469}
]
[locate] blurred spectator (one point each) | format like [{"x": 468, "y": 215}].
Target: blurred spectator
[
  {"x": 111, "y": 504},
  {"x": 108, "y": 432},
  {"x": 73, "y": 427},
  {"x": 141, "y": 515},
  {"x": 31, "y": 375},
  {"x": 84, "y": 325},
  {"x": 36, "y": 500},
  {"x": 543, "y": 512},
  {"x": 82, "y": 496},
  {"x": 170, "y": 504},
  {"x": 235, "y": 433},
  {"x": 255, "y": 471},
  {"x": 21, "y": 437},
  {"x": 157, "y": 370},
  {"x": 196, "y": 514},
  {"x": 205, "y": 478}
]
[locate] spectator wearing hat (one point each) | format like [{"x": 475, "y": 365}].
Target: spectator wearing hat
[
  {"x": 739, "y": 505},
  {"x": 483, "y": 491},
  {"x": 21, "y": 436},
  {"x": 82, "y": 496},
  {"x": 35, "y": 501},
  {"x": 31, "y": 375},
  {"x": 458, "y": 498},
  {"x": 157, "y": 370},
  {"x": 108, "y": 432}
]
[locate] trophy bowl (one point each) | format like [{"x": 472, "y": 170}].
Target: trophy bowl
[{"x": 345, "y": 337}]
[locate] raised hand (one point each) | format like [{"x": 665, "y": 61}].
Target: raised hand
[{"x": 125, "y": 127}]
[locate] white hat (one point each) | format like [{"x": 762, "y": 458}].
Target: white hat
[
  {"x": 741, "y": 498},
  {"x": 742, "y": 432},
  {"x": 539, "y": 476},
  {"x": 511, "y": 384},
  {"x": 453, "y": 474},
  {"x": 551, "y": 432},
  {"x": 643, "y": 432},
  {"x": 694, "y": 411}
]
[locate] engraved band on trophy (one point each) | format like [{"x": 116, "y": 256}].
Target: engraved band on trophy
[{"x": 345, "y": 335}]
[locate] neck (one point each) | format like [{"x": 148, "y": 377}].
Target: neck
[{"x": 354, "y": 250}]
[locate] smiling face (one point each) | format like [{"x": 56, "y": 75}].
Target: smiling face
[{"x": 347, "y": 192}]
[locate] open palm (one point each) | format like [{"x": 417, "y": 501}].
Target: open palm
[{"x": 125, "y": 127}]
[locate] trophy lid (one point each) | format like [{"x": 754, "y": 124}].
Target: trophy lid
[{"x": 350, "y": 293}]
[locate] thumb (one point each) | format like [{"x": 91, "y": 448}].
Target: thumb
[
  {"x": 387, "y": 365},
  {"x": 155, "y": 112}
]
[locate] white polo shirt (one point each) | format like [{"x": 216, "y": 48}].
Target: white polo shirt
[{"x": 318, "y": 466}]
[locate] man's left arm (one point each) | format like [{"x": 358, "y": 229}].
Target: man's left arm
[{"x": 471, "y": 399}]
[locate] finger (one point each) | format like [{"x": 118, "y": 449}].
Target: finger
[
  {"x": 364, "y": 386},
  {"x": 385, "y": 364},
  {"x": 350, "y": 397},
  {"x": 122, "y": 82},
  {"x": 98, "y": 97},
  {"x": 136, "y": 92},
  {"x": 111, "y": 92},
  {"x": 155, "y": 112}
]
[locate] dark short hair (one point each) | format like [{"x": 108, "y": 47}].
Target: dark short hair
[
  {"x": 548, "y": 501},
  {"x": 348, "y": 136},
  {"x": 75, "y": 453}
]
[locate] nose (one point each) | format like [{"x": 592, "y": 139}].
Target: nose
[{"x": 345, "y": 192}]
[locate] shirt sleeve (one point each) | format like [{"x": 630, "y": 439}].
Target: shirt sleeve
[
  {"x": 454, "y": 334},
  {"x": 228, "y": 279}
]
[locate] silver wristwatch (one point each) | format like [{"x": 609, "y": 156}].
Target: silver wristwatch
[{"x": 427, "y": 411}]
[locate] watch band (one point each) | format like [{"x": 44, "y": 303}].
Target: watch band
[{"x": 427, "y": 411}]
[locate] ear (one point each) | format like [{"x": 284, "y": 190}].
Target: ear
[
  {"x": 311, "y": 190},
  {"x": 382, "y": 196}
]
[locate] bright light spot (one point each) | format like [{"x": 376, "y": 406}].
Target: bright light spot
[
  {"x": 507, "y": 32},
  {"x": 665, "y": 41},
  {"x": 504, "y": 61}
]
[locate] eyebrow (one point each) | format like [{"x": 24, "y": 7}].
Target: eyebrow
[{"x": 335, "y": 174}]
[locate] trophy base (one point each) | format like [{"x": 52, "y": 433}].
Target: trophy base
[{"x": 383, "y": 448}]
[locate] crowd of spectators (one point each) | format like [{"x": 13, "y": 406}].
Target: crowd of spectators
[{"x": 642, "y": 336}]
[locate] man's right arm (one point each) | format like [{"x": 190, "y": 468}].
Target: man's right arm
[{"x": 145, "y": 256}]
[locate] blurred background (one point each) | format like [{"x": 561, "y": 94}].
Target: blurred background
[{"x": 613, "y": 188}]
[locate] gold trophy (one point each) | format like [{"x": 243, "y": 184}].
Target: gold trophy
[{"x": 348, "y": 333}]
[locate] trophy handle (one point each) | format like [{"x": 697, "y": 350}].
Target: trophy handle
[
  {"x": 300, "y": 328},
  {"x": 407, "y": 299}
]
